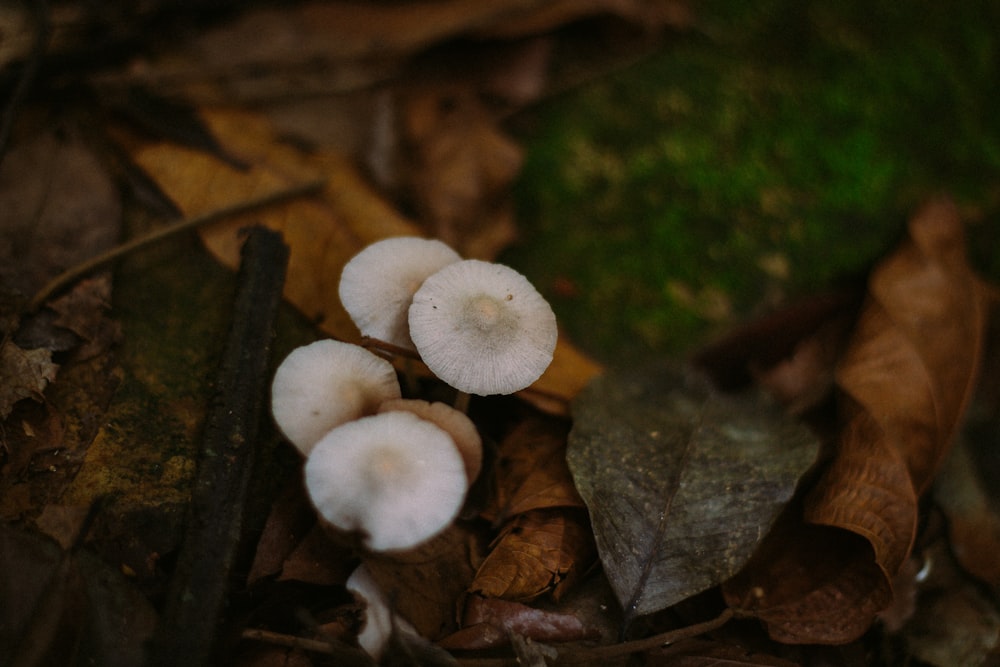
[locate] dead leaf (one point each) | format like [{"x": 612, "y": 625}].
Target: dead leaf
[
  {"x": 681, "y": 481},
  {"x": 460, "y": 169},
  {"x": 809, "y": 584},
  {"x": 905, "y": 377},
  {"x": 84, "y": 311},
  {"x": 58, "y": 207},
  {"x": 531, "y": 471},
  {"x": 425, "y": 585},
  {"x": 487, "y": 622},
  {"x": 23, "y": 374},
  {"x": 67, "y": 608},
  {"x": 538, "y": 552}
]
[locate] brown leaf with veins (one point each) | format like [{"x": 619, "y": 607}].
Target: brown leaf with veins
[
  {"x": 425, "y": 585},
  {"x": 531, "y": 471},
  {"x": 23, "y": 374},
  {"x": 905, "y": 379},
  {"x": 537, "y": 552},
  {"x": 908, "y": 372},
  {"x": 488, "y": 622}
]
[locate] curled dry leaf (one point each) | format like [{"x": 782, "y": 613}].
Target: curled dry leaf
[
  {"x": 905, "y": 378},
  {"x": 488, "y": 622},
  {"x": 23, "y": 374},
  {"x": 546, "y": 541},
  {"x": 538, "y": 552},
  {"x": 531, "y": 471}
]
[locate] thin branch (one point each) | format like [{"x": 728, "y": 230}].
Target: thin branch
[
  {"x": 646, "y": 644},
  {"x": 76, "y": 272}
]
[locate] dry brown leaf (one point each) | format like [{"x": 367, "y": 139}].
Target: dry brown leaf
[
  {"x": 531, "y": 471},
  {"x": 810, "y": 584},
  {"x": 489, "y": 622},
  {"x": 323, "y": 233},
  {"x": 538, "y": 552},
  {"x": 570, "y": 371},
  {"x": 910, "y": 370},
  {"x": 906, "y": 376},
  {"x": 23, "y": 374},
  {"x": 425, "y": 585},
  {"x": 460, "y": 169},
  {"x": 58, "y": 207}
]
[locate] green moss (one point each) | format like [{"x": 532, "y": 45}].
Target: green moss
[{"x": 772, "y": 152}]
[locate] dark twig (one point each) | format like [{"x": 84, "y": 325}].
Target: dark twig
[
  {"x": 188, "y": 632},
  {"x": 76, "y": 272}
]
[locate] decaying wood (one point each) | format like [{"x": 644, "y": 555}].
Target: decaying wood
[{"x": 188, "y": 629}]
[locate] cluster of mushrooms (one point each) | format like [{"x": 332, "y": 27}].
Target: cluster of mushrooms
[{"x": 394, "y": 469}]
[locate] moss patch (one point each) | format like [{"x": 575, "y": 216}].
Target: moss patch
[{"x": 771, "y": 152}]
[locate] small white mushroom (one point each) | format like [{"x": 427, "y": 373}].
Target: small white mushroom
[
  {"x": 483, "y": 328},
  {"x": 325, "y": 384},
  {"x": 377, "y": 284},
  {"x": 455, "y": 422},
  {"x": 379, "y": 619},
  {"x": 394, "y": 477}
]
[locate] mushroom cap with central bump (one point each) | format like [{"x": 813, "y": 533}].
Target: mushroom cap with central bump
[
  {"x": 394, "y": 477},
  {"x": 377, "y": 284},
  {"x": 324, "y": 384},
  {"x": 483, "y": 328}
]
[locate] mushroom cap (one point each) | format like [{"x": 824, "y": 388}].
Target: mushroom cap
[
  {"x": 395, "y": 477},
  {"x": 325, "y": 384},
  {"x": 377, "y": 284},
  {"x": 483, "y": 328},
  {"x": 454, "y": 422}
]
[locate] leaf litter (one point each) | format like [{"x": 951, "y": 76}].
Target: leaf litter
[{"x": 821, "y": 572}]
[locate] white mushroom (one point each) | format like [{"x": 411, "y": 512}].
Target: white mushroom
[
  {"x": 483, "y": 328},
  {"x": 379, "y": 619},
  {"x": 394, "y": 477},
  {"x": 454, "y": 422},
  {"x": 325, "y": 384},
  {"x": 377, "y": 284}
]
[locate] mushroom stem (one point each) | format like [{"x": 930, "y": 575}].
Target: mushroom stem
[{"x": 461, "y": 402}]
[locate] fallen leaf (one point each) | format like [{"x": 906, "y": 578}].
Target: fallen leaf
[
  {"x": 538, "y": 552},
  {"x": 67, "y": 607},
  {"x": 23, "y": 374},
  {"x": 320, "y": 239},
  {"x": 460, "y": 169},
  {"x": 531, "y": 471},
  {"x": 84, "y": 311},
  {"x": 905, "y": 379},
  {"x": 809, "y": 584},
  {"x": 425, "y": 585},
  {"x": 58, "y": 207},
  {"x": 291, "y": 518},
  {"x": 682, "y": 482},
  {"x": 487, "y": 622}
]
